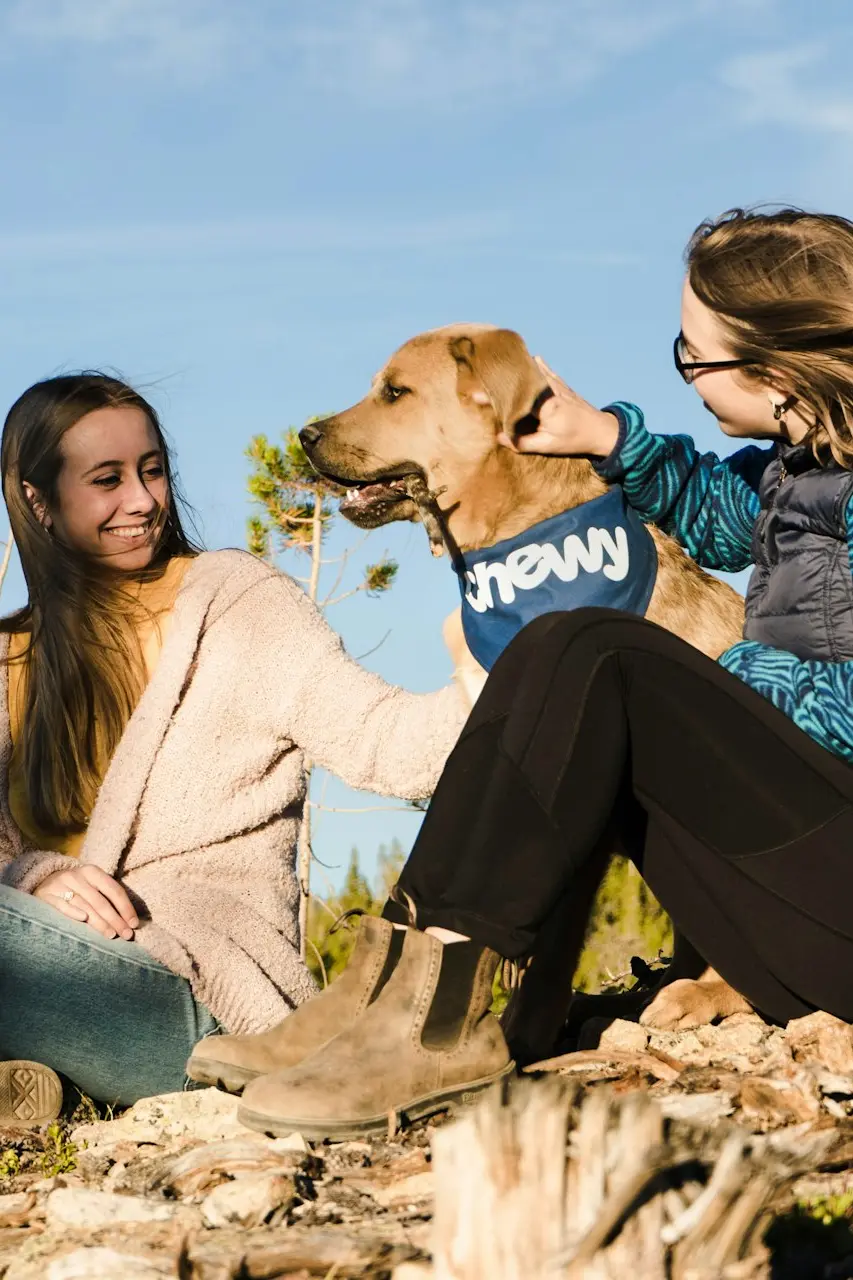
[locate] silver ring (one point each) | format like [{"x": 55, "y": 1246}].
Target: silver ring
[{"x": 67, "y": 895}]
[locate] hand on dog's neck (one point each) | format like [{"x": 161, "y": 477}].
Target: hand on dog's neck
[{"x": 510, "y": 492}]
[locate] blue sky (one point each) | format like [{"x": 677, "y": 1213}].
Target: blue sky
[{"x": 246, "y": 208}]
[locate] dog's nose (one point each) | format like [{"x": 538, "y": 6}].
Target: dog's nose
[{"x": 310, "y": 435}]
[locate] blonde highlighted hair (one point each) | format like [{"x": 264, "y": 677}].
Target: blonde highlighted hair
[{"x": 781, "y": 286}]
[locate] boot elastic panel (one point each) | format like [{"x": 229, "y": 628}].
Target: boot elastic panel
[{"x": 457, "y": 980}]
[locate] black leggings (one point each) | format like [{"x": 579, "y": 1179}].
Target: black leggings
[{"x": 596, "y": 725}]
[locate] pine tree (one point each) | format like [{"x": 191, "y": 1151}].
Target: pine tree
[{"x": 297, "y": 508}]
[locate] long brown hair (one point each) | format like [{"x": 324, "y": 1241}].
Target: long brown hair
[
  {"x": 84, "y": 673},
  {"x": 781, "y": 286}
]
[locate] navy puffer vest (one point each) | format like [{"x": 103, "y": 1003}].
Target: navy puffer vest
[{"x": 800, "y": 595}]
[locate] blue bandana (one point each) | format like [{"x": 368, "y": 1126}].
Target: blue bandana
[{"x": 599, "y": 553}]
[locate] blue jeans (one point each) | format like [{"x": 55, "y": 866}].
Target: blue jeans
[{"x": 103, "y": 1013}]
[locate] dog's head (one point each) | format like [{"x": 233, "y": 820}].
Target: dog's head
[{"x": 433, "y": 413}]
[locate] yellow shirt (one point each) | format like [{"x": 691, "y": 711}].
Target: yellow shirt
[{"x": 158, "y": 598}]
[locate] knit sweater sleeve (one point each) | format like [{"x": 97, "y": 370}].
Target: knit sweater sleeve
[
  {"x": 373, "y": 735},
  {"x": 706, "y": 503},
  {"x": 27, "y": 871}
]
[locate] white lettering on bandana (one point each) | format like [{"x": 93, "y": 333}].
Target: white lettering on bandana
[{"x": 599, "y": 553}]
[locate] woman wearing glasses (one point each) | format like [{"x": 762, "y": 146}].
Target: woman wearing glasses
[{"x": 729, "y": 784}]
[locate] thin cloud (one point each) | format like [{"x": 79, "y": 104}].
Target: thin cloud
[
  {"x": 478, "y": 54},
  {"x": 250, "y": 235},
  {"x": 783, "y": 86},
  {"x": 188, "y": 38}
]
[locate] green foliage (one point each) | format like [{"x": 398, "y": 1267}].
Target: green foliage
[
  {"x": 358, "y": 894},
  {"x": 288, "y": 491},
  {"x": 626, "y": 920},
  {"x": 60, "y": 1153},
  {"x": 379, "y": 577},
  {"x": 296, "y": 506},
  {"x": 10, "y": 1164},
  {"x": 828, "y": 1209}
]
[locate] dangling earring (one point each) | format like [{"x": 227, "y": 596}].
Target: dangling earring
[{"x": 781, "y": 407}]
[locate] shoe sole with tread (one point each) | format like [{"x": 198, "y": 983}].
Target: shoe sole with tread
[
  {"x": 222, "y": 1075},
  {"x": 30, "y": 1094},
  {"x": 344, "y": 1130}
]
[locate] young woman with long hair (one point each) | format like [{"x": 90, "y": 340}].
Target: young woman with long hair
[
  {"x": 729, "y": 784},
  {"x": 155, "y": 704}
]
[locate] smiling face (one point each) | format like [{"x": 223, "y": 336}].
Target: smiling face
[
  {"x": 742, "y": 405},
  {"x": 111, "y": 493}
]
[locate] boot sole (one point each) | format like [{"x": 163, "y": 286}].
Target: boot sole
[
  {"x": 30, "y": 1094},
  {"x": 342, "y": 1130},
  {"x": 222, "y": 1075}
]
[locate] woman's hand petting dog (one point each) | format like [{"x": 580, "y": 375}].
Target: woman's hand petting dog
[
  {"x": 87, "y": 894},
  {"x": 693, "y": 1003},
  {"x": 568, "y": 425}
]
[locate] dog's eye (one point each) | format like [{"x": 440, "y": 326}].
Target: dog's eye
[{"x": 392, "y": 393}]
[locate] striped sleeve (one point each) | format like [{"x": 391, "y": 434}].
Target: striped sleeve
[
  {"x": 706, "y": 503},
  {"x": 817, "y": 696}
]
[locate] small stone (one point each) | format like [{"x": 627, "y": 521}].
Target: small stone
[
  {"x": 830, "y": 1084},
  {"x": 627, "y": 1037},
  {"x": 405, "y": 1191},
  {"x": 108, "y": 1264},
  {"x": 291, "y": 1142},
  {"x": 247, "y": 1202},
  {"x": 45, "y": 1185},
  {"x": 83, "y": 1207},
  {"x": 205, "y": 1115},
  {"x": 684, "y": 1046},
  {"x": 738, "y": 1034},
  {"x": 697, "y": 1108},
  {"x": 200, "y": 1170},
  {"x": 821, "y": 1038},
  {"x": 776, "y": 1102},
  {"x": 18, "y": 1209},
  {"x": 776, "y": 1051}
]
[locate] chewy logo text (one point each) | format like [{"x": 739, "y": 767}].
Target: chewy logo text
[{"x": 528, "y": 567}]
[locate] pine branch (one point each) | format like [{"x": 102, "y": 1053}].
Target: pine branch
[
  {"x": 380, "y": 577},
  {"x": 327, "y": 603},
  {"x": 368, "y": 652}
]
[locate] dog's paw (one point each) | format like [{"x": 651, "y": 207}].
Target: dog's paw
[{"x": 692, "y": 1003}]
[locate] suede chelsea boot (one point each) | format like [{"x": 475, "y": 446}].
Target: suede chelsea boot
[
  {"x": 426, "y": 1041},
  {"x": 232, "y": 1061}
]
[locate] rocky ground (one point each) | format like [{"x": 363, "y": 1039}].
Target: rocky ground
[{"x": 175, "y": 1187}]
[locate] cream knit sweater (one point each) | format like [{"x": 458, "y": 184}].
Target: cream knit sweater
[{"x": 199, "y": 810}]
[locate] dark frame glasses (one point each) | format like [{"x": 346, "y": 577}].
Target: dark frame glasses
[
  {"x": 689, "y": 368},
  {"x": 822, "y": 342}
]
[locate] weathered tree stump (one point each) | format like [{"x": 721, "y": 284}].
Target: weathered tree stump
[{"x": 533, "y": 1184}]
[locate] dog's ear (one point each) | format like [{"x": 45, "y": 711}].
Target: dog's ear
[{"x": 495, "y": 368}]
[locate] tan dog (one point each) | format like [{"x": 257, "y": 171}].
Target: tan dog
[{"x": 422, "y": 445}]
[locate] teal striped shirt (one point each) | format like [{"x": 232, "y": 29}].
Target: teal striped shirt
[{"x": 710, "y": 505}]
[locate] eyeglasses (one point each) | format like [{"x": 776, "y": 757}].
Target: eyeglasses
[
  {"x": 689, "y": 368},
  {"x": 820, "y": 342}
]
